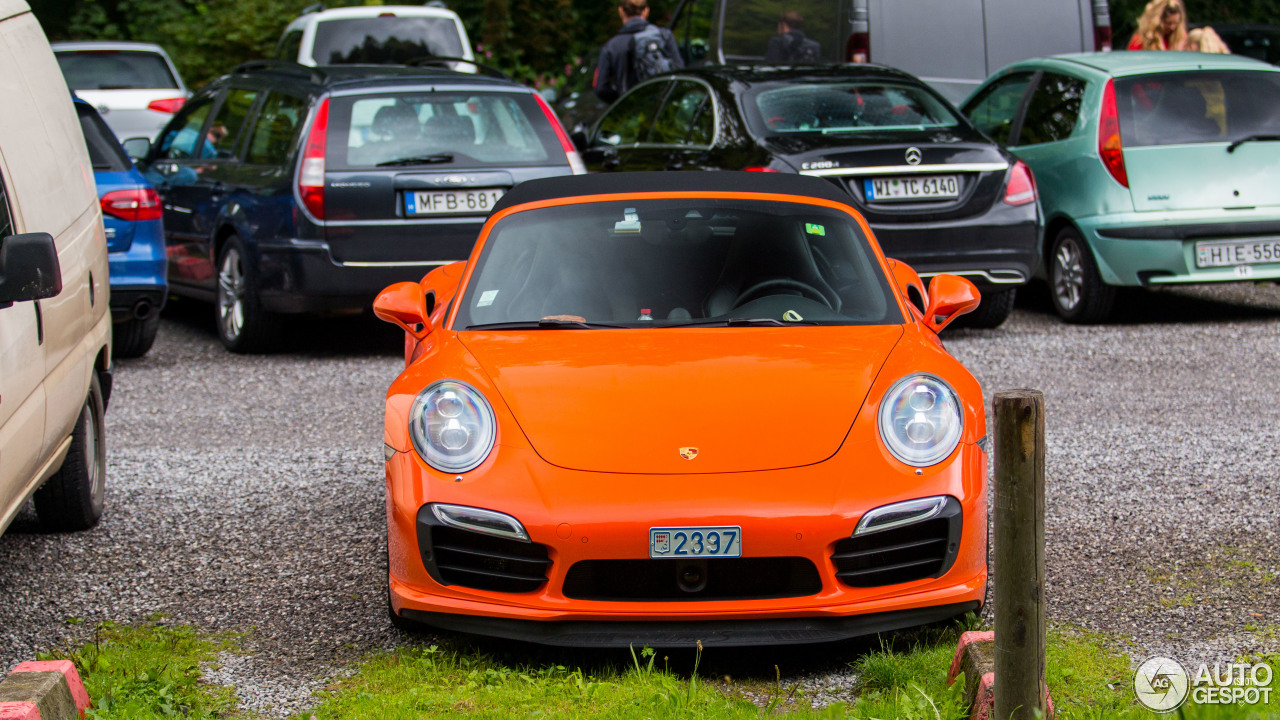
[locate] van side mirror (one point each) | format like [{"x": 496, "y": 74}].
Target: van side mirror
[
  {"x": 137, "y": 147},
  {"x": 950, "y": 296},
  {"x": 29, "y": 268},
  {"x": 405, "y": 305}
]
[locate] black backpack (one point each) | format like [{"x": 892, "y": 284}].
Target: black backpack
[
  {"x": 649, "y": 53},
  {"x": 806, "y": 52}
]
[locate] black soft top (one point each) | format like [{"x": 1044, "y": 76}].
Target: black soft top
[{"x": 646, "y": 182}]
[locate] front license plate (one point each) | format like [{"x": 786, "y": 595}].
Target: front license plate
[
  {"x": 450, "y": 202},
  {"x": 693, "y": 542},
  {"x": 925, "y": 187},
  {"x": 1225, "y": 253}
]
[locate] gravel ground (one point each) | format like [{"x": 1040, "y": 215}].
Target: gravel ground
[{"x": 246, "y": 493}]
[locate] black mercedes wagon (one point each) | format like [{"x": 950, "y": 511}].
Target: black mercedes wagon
[
  {"x": 291, "y": 189},
  {"x": 939, "y": 194}
]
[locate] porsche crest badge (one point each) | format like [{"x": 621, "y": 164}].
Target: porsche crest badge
[{"x": 688, "y": 453}]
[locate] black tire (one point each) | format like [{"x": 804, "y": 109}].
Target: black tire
[
  {"x": 996, "y": 307},
  {"x": 243, "y": 326},
  {"x": 1075, "y": 287},
  {"x": 73, "y": 498},
  {"x": 133, "y": 338}
]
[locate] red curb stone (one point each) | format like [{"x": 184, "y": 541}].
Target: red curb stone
[
  {"x": 19, "y": 711},
  {"x": 966, "y": 638},
  {"x": 68, "y": 670},
  {"x": 984, "y": 705}
]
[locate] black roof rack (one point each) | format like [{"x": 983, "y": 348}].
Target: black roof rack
[
  {"x": 488, "y": 70},
  {"x": 317, "y": 75}
]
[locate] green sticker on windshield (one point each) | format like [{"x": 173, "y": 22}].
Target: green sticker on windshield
[{"x": 815, "y": 229}]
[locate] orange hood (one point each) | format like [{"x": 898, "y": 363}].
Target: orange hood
[{"x": 628, "y": 401}]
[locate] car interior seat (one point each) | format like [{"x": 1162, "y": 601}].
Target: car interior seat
[
  {"x": 395, "y": 123},
  {"x": 767, "y": 251}
]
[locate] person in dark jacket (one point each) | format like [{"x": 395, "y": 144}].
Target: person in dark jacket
[
  {"x": 616, "y": 70},
  {"x": 790, "y": 46}
]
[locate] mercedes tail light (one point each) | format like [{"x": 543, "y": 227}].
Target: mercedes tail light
[
  {"x": 570, "y": 152},
  {"x": 167, "y": 105},
  {"x": 759, "y": 169},
  {"x": 1110, "y": 148},
  {"x": 1022, "y": 185},
  {"x": 133, "y": 205},
  {"x": 311, "y": 174}
]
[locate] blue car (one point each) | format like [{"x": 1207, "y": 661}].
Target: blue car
[{"x": 131, "y": 215}]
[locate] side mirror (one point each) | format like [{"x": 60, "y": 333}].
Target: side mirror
[
  {"x": 405, "y": 304},
  {"x": 909, "y": 285},
  {"x": 137, "y": 147},
  {"x": 950, "y": 296},
  {"x": 579, "y": 139},
  {"x": 29, "y": 268}
]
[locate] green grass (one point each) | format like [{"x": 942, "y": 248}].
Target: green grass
[{"x": 149, "y": 671}]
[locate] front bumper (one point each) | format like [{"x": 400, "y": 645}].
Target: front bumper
[
  {"x": 775, "y": 524},
  {"x": 1160, "y": 248}
]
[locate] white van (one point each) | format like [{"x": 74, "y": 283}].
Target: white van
[
  {"x": 55, "y": 328},
  {"x": 378, "y": 35},
  {"x": 951, "y": 44}
]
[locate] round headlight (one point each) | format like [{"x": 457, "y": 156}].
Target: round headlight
[
  {"x": 920, "y": 420},
  {"x": 452, "y": 426}
]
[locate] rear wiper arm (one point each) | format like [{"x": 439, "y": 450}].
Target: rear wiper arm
[
  {"x": 418, "y": 160},
  {"x": 1252, "y": 138},
  {"x": 543, "y": 324}
]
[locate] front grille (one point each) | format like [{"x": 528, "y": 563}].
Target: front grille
[
  {"x": 484, "y": 562},
  {"x": 920, "y": 550},
  {"x": 669, "y": 580}
]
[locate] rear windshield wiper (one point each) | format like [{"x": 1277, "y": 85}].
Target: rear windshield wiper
[
  {"x": 1252, "y": 138},
  {"x": 418, "y": 160},
  {"x": 745, "y": 322},
  {"x": 543, "y": 324}
]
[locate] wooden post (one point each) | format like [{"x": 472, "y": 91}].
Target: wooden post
[{"x": 1019, "y": 555}]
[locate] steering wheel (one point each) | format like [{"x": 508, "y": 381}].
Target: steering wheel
[{"x": 764, "y": 287}]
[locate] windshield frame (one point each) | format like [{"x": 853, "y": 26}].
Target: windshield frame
[{"x": 880, "y": 265}]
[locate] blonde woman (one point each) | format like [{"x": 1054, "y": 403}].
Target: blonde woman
[
  {"x": 1163, "y": 26},
  {"x": 1206, "y": 40}
]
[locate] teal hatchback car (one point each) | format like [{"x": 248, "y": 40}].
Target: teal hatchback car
[{"x": 1152, "y": 167}]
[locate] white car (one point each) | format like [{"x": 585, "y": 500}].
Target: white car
[
  {"x": 381, "y": 34},
  {"x": 134, "y": 86}
]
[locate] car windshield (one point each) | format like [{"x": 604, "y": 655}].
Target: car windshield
[
  {"x": 385, "y": 40},
  {"x": 676, "y": 263},
  {"x": 438, "y": 129},
  {"x": 1198, "y": 107},
  {"x": 838, "y": 107},
  {"x": 115, "y": 70}
]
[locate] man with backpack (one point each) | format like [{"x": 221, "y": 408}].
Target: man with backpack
[
  {"x": 639, "y": 51},
  {"x": 790, "y": 46}
]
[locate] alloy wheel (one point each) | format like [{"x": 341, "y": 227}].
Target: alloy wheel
[
  {"x": 231, "y": 295},
  {"x": 1068, "y": 274}
]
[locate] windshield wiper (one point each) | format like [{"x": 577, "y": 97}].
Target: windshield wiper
[
  {"x": 745, "y": 322},
  {"x": 543, "y": 324},
  {"x": 1252, "y": 138},
  {"x": 418, "y": 160}
]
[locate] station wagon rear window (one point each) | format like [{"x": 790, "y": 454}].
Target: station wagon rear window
[
  {"x": 385, "y": 40},
  {"x": 115, "y": 70},
  {"x": 840, "y": 107},
  {"x": 1197, "y": 107},
  {"x": 439, "y": 129}
]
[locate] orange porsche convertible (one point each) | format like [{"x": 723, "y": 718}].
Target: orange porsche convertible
[{"x": 677, "y": 407}]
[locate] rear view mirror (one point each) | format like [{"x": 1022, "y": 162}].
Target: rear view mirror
[
  {"x": 950, "y": 296},
  {"x": 28, "y": 268},
  {"x": 405, "y": 304},
  {"x": 137, "y": 148}
]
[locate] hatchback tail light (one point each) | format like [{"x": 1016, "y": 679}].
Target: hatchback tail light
[
  {"x": 570, "y": 152},
  {"x": 311, "y": 173},
  {"x": 167, "y": 105},
  {"x": 1110, "y": 147},
  {"x": 1022, "y": 185},
  {"x": 133, "y": 205}
]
